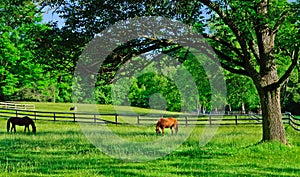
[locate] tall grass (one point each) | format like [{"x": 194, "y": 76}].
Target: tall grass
[{"x": 61, "y": 149}]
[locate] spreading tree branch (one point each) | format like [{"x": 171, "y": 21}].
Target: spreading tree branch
[
  {"x": 224, "y": 43},
  {"x": 247, "y": 62},
  {"x": 280, "y": 21},
  {"x": 288, "y": 72}
]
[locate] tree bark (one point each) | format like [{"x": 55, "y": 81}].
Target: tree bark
[
  {"x": 273, "y": 129},
  {"x": 243, "y": 108},
  {"x": 256, "y": 54},
  {"x": 269, "y": 86}
]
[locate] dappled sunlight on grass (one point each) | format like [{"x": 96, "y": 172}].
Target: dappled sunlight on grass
[{"x": 62, "y": 149}]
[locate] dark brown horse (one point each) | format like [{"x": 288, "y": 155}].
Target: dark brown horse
[
  {"x": 163, "y": 123},
  {"x": 25, "y": 121}
]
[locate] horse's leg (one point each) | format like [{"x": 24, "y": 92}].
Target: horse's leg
[
  {"x": 171, "y": 130},
  {"x": 13, "y": 127},
  {"x": 163, "y": 130},
  {"x": 176, "y": 128}
]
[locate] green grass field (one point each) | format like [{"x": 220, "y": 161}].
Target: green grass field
[
  {"x": 61, "y": 149},
  {"x": 109, "y": 109}
]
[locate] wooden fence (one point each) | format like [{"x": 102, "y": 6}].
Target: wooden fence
[
  {"x": 9, "y": 105},
  {"x": 294, "y": 121},
  {"x": 183, "y": 119}
]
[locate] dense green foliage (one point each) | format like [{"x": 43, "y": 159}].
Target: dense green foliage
[
  {"x": 31, "y": 68},
  {"x": 20, "y": 70},
  {"x": 38, "y": 60}
]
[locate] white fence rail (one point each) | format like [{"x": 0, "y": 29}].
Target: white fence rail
[{"x": 10, "y": 105}]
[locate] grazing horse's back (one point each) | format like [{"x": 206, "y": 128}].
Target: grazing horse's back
[
  {"x": 25, "y": 121},
  {"x": 163, "y": 123}
]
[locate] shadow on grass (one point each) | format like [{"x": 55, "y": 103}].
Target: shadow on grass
[{"x": 60, "y": 152}]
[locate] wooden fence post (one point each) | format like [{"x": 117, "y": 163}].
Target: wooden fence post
[
  {"x": 74, "y": 117},
  {"x": 95, "y": 118},
  {"x": 54, "y": 116},
  {"x": 210, "y": 121},
  {"x": 138, "y": 119},
  {"x": 35, "y": 115},
  {"x": 116, "y": 119},
  {"x": 186, "y": 121},
  {"x": 236, "y": 119},
  {"x": 289, "y": 118}
]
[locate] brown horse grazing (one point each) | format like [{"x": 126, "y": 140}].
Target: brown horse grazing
[
  {"x": 163, "y": 123},
  {"x": 25, "y": 121}
]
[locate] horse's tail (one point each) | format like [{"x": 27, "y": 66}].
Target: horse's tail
[
  {"x": 157, "y": 126},
  {"x": 8, "y": 124},
  {"x": 33, "y": 126}
]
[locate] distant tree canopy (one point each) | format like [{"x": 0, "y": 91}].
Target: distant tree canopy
[
  {"x": 57, "y": 49},
  {"x": 36, "y": 59},
  {"x": 21, "y": 75}
]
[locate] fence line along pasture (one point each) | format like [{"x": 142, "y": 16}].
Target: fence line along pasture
[
  {"x": 9, "y": 105},
  {"x": 294, "y": 122},
  {"x": 183, "y": 119}
]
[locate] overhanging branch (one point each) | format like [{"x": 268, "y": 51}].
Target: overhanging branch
[
  {"x": 226, "y": 44},
  {"x": 280, "y": 21},
  {"x": 288, "y": 72}
]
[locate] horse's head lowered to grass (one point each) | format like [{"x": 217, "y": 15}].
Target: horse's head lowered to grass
[
  {"x": 163, "y": 123},
  {"x": 25, "y": 121}
]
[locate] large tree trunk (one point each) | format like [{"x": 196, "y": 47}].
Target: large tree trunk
[
  {"x": 257, "y": 58},
  {"x": 269, "y": 93},
  {"x": 273, "y": 129}
]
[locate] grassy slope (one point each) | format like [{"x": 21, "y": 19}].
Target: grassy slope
[
  {"x": 64, "y": 107},
  {"x": 61, "y": 149}
]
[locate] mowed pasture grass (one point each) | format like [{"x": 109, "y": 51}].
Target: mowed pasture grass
[
  {"x": 104, "y": 109},
  {"x": 61, "y": 149}
]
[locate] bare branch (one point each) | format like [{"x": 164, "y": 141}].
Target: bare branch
[
  {"x": 226, "y": 44},
  {"x": 233, "y": 70},
  {"x": 254, "y": 50},
  {"x": 228, "y": 21},
  {"x": 280, "y": 21},
  {"x": 288, "y": 72},
  {"x": 235, "y": 63},
  {"x": 247, "y": 62},
  {"x": 228, "y": 59}
]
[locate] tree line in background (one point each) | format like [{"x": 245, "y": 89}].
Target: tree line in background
[
  {"x": 38, "y": 60},
  {"x": 257, "y": 42}
]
